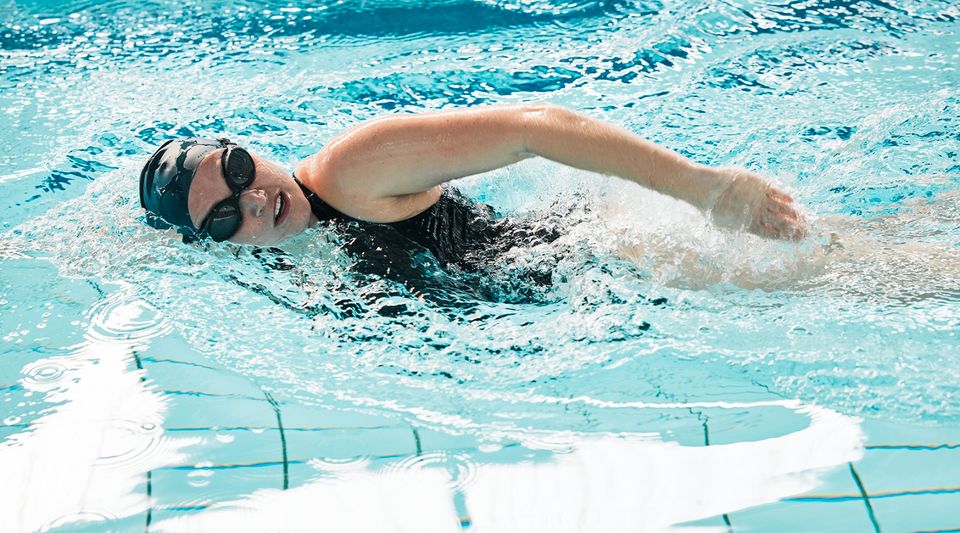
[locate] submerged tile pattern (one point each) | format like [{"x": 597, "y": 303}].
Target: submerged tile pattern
[
  {"x": 243, "y": 447},
  {"x": 246, "y": 441}
]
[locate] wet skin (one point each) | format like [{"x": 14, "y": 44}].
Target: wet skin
[
  {"x": 257, "y": 202},
  {"x": 391, "y": 168}
]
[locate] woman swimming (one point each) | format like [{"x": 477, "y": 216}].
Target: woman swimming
[{"x": 391, "y": 172}]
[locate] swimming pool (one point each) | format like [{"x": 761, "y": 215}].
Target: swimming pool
[{"x": 714, "y": 380}]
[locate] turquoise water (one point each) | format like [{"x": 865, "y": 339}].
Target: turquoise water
[{"x": 851, "y": 106}]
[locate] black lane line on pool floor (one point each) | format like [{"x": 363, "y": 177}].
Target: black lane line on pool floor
[
  {"x": 143, "y": 379},
  {"x": 866, "y": 499},
  {"x": 283, "y": 438}
]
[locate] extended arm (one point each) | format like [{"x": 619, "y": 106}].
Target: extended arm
[{"x": 399, "y": 160}]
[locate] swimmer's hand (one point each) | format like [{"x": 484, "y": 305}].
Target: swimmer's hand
[
  {"x": 746, "y": 201},
  {"x": 777, "y": 217}
]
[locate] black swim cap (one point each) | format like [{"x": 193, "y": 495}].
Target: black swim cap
[{"x": 165, "y": 182}]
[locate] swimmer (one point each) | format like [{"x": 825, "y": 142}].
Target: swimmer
[{"x": 394, "y": 172}]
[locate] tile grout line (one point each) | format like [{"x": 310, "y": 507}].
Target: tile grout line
[
  {"x": 866, "y": 498},
  {"x": 706, "y": 442},
  {"x": 912, "y": 447},
  {"x": 259, "y": 428},
  {"x": 875, "y": 495},
  {"x": 149, "y": 499},
  {"x": 143, "y": 379},
  {"x": 209, "y": 395},
  {"x": 233, "y": 466},
  {"x": 283, "y": 438}
]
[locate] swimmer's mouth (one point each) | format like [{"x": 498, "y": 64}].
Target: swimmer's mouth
[{"x": 281, "y": 208}]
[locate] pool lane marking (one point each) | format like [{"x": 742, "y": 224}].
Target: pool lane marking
[{"x": 866, "y": 498}]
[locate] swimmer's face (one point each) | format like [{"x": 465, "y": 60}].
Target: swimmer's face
[{"x": 258, "y": 203}]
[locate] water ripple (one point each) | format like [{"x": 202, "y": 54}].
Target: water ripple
[
  {"x": 43, "y": 375},
  {"x": 849, "y": 104},
  {"x": 128, "y": 442},
  {"x": 123, "y": 317},
  {"x": 461, "y": 467}
]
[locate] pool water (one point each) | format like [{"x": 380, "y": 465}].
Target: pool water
[{"x": 670, "y": 375}]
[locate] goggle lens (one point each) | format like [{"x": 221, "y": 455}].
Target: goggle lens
[
  {"x": 223, "y": 221},
  {"x": 238, "y": 168},
  {"x": 239, "y": 172}
]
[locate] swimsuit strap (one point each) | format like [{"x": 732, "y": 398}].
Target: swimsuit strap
[{"x": 322, "y": 210}]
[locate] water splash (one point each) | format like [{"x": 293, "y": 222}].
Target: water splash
[{"x": 848, "y": 104}]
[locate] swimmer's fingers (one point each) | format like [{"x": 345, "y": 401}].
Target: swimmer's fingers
[
  {"x": 779, "y": 195},
  {"x": 778, "y": 217},
  {"x": 790, "y": 225},
  {"x": 783, "y": 229}
]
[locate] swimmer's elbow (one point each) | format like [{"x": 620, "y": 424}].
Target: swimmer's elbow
[{"x": 536, "y": 120}]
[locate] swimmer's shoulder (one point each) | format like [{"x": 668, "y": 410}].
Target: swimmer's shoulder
[{"x": 318, "y": 173}]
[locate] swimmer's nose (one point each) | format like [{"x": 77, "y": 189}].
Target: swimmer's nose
[{"x": 253, "y": 202}]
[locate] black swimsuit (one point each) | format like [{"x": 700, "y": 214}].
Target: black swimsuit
[{"x": 455, "y": 230}]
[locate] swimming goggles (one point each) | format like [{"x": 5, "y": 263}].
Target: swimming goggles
[{"x": 239, "y": 172}]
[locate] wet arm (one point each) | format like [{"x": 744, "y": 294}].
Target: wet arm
[{"x": 408, "y": 156}]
